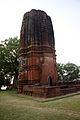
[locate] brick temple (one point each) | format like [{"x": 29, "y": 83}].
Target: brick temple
[{"x": 37, "y": 58}]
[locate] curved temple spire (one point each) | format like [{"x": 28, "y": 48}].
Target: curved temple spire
[{"x": 37, "y": 29}]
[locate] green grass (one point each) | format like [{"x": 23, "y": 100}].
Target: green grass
[{"x": 15, "y": 106}]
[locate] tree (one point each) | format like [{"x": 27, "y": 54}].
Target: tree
[
  {"x": 72, "y": 71},
  {"x": 68, "y": 71},
  {"x": 60, "y": 69},
  {"x": 8, "y": 60},
  {"x": 2, "y": 65}
]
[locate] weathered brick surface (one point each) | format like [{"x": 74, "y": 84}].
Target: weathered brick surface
[{"x": 37, "y": 59}]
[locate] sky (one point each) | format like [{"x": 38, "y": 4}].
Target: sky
[{"x": 65, "y": 15}]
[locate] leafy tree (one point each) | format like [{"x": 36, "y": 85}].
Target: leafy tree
[
  {"x": 2, "y": 61},
  {"x": 72, "y": 71},
  {"x": 68, "y": 71},
  {"x": 8, "y": 60},
  {"x": 60, "y": 69}
]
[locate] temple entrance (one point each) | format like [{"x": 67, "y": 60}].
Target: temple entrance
[{"x": 50, "y": 80}]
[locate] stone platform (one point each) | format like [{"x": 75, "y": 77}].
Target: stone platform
[{"x": 49, "y": 91}]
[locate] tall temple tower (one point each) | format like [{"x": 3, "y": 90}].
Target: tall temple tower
[{"x": 37, "y": 59}]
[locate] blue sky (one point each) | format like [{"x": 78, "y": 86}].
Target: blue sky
[{"x": 65, "y": 15}]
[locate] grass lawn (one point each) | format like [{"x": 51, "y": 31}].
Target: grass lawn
[{"x": 15, "y": 106}]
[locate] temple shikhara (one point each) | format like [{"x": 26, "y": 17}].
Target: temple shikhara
[{"x": 37, "y": 57}]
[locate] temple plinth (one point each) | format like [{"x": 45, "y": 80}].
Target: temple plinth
[{"x": 37, "y": 58}]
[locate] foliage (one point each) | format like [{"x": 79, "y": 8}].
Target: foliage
[
  {"x": 60, "y": 69},
  {"x": 68, "y": 71},
  {"x": 8, "y": 60},
  {"x": 71, "y": 71}
]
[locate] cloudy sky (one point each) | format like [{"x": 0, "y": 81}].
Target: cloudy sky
[{"x": 65, "y": 15}]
